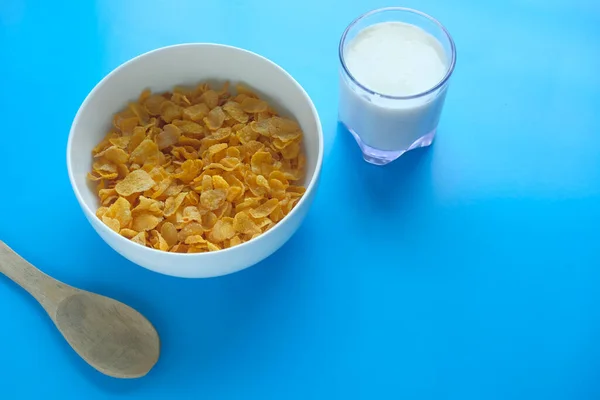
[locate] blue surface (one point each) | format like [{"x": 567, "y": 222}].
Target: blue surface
[{"x": 467, "y": 271}]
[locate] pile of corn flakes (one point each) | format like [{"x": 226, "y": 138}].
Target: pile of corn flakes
[{"x": 197, "y": 169}]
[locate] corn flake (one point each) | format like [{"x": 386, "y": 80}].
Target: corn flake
[
  {"x": 153, "y": 104},
  {"x": 136, "y": 182},
  {"x": 195, "y": 239},
  {"x": 264, "y": 209},
  {"x": 190, "y": 169},
  {"x": 114, "y": 154},
  {"x": 140, "y": 238},
  {"x": 243, "y": 224},
  {"x": 234, "y": 241},
  {"x": 128, "y": 233},
  {"x": 145, "y": 222},
  {"x": 101, "y": 211},
  {"x": 120, "y": 210},
  {"x": 208, "y": 220},
  {"x": 149, "y": 205},
  {"x": 160, "y": 242},
  {"x": 222, "y": 230},
  {"x": 173, "y": 203},
  {"x": 147, "y": 150},
  {"x": 196, "y": 112},
  {"x": 213, "y": 199},
  {"x": 252, "y": 105},
  {"x": 235, "y": 111},
  {"x": 168, "y": 136},
  {"x": 191, "y": 229},
  {"x": 170, "y": 111},
  {"x": 169, "y": 233},
  {"x": 112, "y": 223},
  {"x": 191, "y": 213},
  {"x": 215, "y": 118},
  {"x": 210, "y": 98}
]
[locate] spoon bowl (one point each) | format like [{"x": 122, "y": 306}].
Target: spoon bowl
[{"x": 111, "y": 336}]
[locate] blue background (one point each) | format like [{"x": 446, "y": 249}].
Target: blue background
[{"x": 470, "y": 270}]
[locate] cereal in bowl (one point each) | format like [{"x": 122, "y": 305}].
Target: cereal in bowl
[{"x": 198, "y": 169}]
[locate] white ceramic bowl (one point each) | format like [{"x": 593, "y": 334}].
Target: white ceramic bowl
[{"x": 160, "y": 70}]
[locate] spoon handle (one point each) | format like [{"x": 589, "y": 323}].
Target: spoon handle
[{"x": 46, "y": 290}]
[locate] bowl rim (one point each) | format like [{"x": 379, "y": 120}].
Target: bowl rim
[{"x": 150, "y": 251}]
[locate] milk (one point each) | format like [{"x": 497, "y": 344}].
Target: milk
[{"x": 391, "y": 60}]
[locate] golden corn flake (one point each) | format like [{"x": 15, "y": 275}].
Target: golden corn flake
[
  {"x": 149, "y": 205},
  {"x": 291, "y": 151},
  {"x": 101, "y": 211},
  {"x": 242, "y": 223},
  {"x": 197, "y": 170},
  {"x": 234, "y": 193},
  {"x": 208, "y": 220},
  {"x": 251, "y": 202},
  {"x": 112, "y": 223},
  {"x": 126, "y": 125},
  {"x": 140, "y": 112},
  {"x": 261, "y": 162},
  {"x": 277, "y": 214},
  {"x": 212, "y": 246},
  {"x": 234, "y": 241},
  {"x": 107, "y": 196},
  {"x": 136, "y": 182},
  {"x": 261, "y": 127},
  {"x": 207, "y": 183},
  {"x": 128, "y": 233},
  {"x": 145, "y": 222},
  {"x": 140, "y": 238},
  {"x": 180, "y": 99},
  {"x": 162, "y": 187},
  {"x": 147, "y": 150},
  {"x": 215, "y": 119},
  {"x": 223, "y": 210},
  {"x": 191, "y": 229},
  {"x": 168, "y": 136},
  {"x": 153, "y": 103},
  {"x": 161, "y": 243},
  {"x": 174, "y": 189},
  {"x": 114, "y": 154},
  {"x": 192, "y": 213},
  {"x": 190, "y": 128},
  {"x": 169, "y": 233},
  {"x": 253, "y": 105},
  {"x": 195, "y": 239},
  {"x": 173, "y": 203},
  {"x": 192, "y": 198},
  {"x": 213, "y": 199},
  {"x": 264, "y": 209},
  {"x": 219, "y": 182},
  {"x": 210, "y": 98},
  {"x": 170, "y": 111},
  {"x": 235, "y": 111},
  {"x": 221, "y": 134},
  {"x": 120, "y": 210},
  {"x": 222, "y": 230},
  {"x": 196, "y": 112}
]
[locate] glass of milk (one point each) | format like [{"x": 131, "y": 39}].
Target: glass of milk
[{"x": 395, "y": 67}]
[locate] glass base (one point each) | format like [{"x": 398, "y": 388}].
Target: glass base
[{"x": 383, "y": 157}]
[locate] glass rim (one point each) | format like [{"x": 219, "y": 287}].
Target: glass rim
[{"x": 441, "y": 83}]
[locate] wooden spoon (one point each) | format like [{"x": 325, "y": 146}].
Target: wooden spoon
[{"x": 109, "y": 335}]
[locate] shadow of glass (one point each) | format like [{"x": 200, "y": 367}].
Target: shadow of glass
[{"x": 384, "y": 190}]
